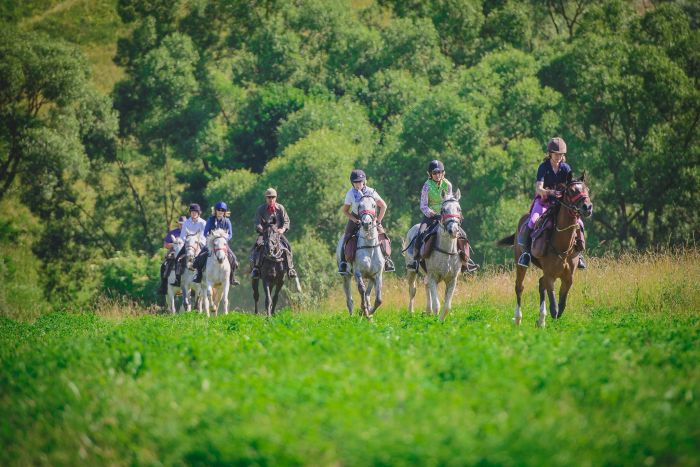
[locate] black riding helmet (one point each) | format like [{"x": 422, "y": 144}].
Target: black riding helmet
[
  {"x": 435, "y": 166},
  {"x": 357, "y": 175},
  {"x": 195, "y": 207}
]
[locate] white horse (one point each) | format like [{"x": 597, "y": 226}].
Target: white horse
[
  {"x": 187, "y": 283},
  {"x": 172, "y": 290},
  {"x": 369, "y": 260},
  {"x": 444, "y": 263},
  {"x": 217, "y": 272}
]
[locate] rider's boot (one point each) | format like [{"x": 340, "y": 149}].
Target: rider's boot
[
  {"x": 581, "y": 262},
  {"x": 197, "y": 276},
  {"x": 234, "y": 265},
  {"x": 343, "y": 268},
  {"x": 292, "y": 273},
  {"x": 389, "y": 265},
  {"x": 524, "y": 259},
  {"x": 233, "y": 280},
  {"x": 415, "y": 263}
]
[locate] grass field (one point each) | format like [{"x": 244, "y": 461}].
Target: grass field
[{"x": 616, "y": 381}]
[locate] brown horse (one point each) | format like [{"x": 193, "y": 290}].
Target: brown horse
[{"x": 561, "y": 257}]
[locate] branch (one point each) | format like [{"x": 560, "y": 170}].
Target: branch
[
  {"x": 8, "y": 171},
  {"x": 605, "y": 224},
  {"x": 551, "y": 16},
  {"x": 137, "y": 198}
]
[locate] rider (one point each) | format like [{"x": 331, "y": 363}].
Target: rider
[
  {"x": 352, "y": 199},
  {"x": 431, "y": 198},
  {"x": 551, "y": 172},
  {"x": 218, "y": 221},
  {"x": 168, "y": 243},
  {"x": 193, "y": 225},
  {"x": 271, "y": 214}
]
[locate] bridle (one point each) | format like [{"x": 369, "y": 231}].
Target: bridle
[
  {"x": 445, "y": 218},
  {"x": 571, "y": 200}
]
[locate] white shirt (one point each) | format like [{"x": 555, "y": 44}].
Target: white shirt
[
  {"x": 191, "y": 226},
  {"x": 353, "y": 196}
]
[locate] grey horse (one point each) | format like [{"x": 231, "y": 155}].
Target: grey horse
[
  {"x": 444, "y": 263},
  {"x": 368, "y": 264}
]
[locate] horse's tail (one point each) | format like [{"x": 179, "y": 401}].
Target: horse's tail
[{"x": 506, "y": 241}]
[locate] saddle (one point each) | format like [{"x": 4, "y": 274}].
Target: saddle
[
  {"x": 542, "y": 232},
  {"x": 429, "y": 241},
  {"x": 350, "y": 247}
]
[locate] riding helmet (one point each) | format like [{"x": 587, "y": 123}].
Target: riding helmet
[
  {"x": 556, "y": 145},
  {"x": 357, "y": 175},
  {"x": 436, "y": 166},
  {"x": 221, "y": 205},
  {"x": 195, "y": 207}
]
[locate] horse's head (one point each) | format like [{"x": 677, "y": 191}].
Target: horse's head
[
  {"x": 576, "y": 197},
  {"x": 191, "y": 247},
  {"x": 177, "y": 246},
  {"x": 451, "y": 213},
  {"x": 367, "y": 210},
  {"x": 218, "y": 244},
  {"x": 271, "y": 242}
]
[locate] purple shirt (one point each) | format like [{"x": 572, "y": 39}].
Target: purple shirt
[{"x": 172, "y": 235}]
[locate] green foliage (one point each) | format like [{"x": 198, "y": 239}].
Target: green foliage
[{"x": 130, "y": 275}]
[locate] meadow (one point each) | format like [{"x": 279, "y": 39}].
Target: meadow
[{"x": 615, "y": 381}]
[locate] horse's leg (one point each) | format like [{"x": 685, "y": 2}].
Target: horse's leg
[
  {"x": 566, "y": 283},
  {"x": 224, "y": 294},
  {"x": 275, "y": 296},
  {"x": 411, "y": 276},
  {"x": 543, "y": 304},
  {"x": 363, "y": 293},
  {"x": 256, "y": 294},
  {"x": 347, "y": 283},
  {"x": 368, "y": 291},
  {"x": 268, "y": 297},
  {"x": 549, "y": 285},
  {"x": 519, "y": 278},
  {"x": 206, "y": 297},
  {"x": 378, "y": 280},
  {"x": 449, "y": 293},
  {"x": 185, "y": 297},
  {"x": 434, "y": 299}
]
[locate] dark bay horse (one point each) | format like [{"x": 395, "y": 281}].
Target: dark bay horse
[
  {"x": 273, "y": 269},
  {"x": 561, "y": 258}
]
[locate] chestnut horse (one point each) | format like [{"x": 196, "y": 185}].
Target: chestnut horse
[{"x": 561, "y": 257}]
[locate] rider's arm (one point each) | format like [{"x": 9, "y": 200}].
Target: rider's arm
[
  {"x": 285, "y": 227},
  {"x": 427, "y": 212},
  {"x": 349, "y": 214},
  {"x": 541, "y": 191},
  {"x": 229, "y": 230},
  {"x": 381, "y": 204}
]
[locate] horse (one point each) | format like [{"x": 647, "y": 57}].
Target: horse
[
  {"x": 273, "y": 270},
  {"x": 444, "y": 263},
  {"x": 561, "y": 257},
  {"x": 172, "y": 290},
  {"x": 369, "y": 260},
  {"x": 187, "y": 283},
  {"x": 217, "y": 272}
]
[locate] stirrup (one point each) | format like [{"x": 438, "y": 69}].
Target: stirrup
[
  {"x": 343, "y": 268},
  {"x": 470, "y": 267},
  {"x": 389, "y": 266},
  {"x": 292, "y": 273},
  {"x": 234, "y": 281},
  {"x": 413, "y": 265},
  {"x": 524, "y": 260},
  {"x": 581, "y": 263}
]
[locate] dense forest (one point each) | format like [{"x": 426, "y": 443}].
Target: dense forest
[{"x": 115, "y": 115}]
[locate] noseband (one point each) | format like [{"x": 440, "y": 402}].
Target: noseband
[
  {"x": 569, "y": 200},
  {"x": 447, "y": 219}
]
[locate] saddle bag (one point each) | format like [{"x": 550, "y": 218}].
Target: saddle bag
[{"x": 351, "y": 249}]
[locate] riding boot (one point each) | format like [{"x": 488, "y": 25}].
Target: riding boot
[
  {"x": 524, "y": 259},
  {"x": 417, "y": 244},
  {"x": 581, "y": 262},
  {"x": 163, "y": 288},
  {"x": 178, "y": 274},
  {"x": 234, "y": 265},
  {"x": 255, "y": 273},
  {"x": 198, "y": 276},
  {"x": 343, "y": 265}
]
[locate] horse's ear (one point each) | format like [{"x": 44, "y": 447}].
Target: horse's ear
[
  {"x": 569, "y": 177},
  {"x": 583, "y": 176},
  {"x": 457, "y": 194}
]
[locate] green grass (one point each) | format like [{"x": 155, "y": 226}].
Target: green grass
[{"x": 613, "y": 382}]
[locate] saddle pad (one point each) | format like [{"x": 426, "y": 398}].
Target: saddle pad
[{"x": 351, "y": 249}]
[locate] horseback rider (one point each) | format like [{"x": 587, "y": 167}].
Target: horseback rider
[
  {"x": 168, "y": 242},
  {"x": 193, "y": 225},
  {"x": 431, "y": 198},
  {"x": 551, "y": 172},
  {"x": 273, "y": 214},
  {"x": 352, "y": 199},
  {"x": 218, "y": 221}
]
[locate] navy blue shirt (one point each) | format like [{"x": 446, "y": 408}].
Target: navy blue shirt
[
  {"x": 546, "y": 174},
  {"x": 214, "y": 223}
]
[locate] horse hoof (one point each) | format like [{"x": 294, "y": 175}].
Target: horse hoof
[
  {"x": 517, "y": 321},
  {"x": 540, "y": 324}
]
